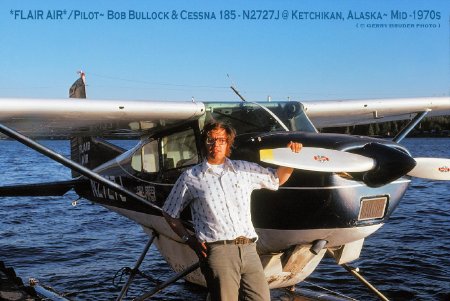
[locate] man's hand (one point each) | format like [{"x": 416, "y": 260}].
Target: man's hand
[
  {"x": 295, "y": 146},
  {"x": 198, "y": 247},
  {"x": 177, "y": 226}
]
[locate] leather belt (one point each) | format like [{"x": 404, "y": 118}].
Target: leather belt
[{"x": 241, "y": 240}]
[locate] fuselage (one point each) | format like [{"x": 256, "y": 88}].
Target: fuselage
[
  {"x": 338, "y": 208},
  {"x": 308, "y": 201}
]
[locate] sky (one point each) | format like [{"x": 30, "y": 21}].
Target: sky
[{"x": 298, "y": 50}]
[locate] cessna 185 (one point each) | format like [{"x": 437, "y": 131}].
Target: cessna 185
[{"x": 326, "y": 205}]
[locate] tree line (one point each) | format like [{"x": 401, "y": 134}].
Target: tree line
[{"x": 428, "y": 127}]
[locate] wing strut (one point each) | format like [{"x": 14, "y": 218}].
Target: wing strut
[
  {"x": 74, "y": 166},
  {"x": 411, "y": 125}
]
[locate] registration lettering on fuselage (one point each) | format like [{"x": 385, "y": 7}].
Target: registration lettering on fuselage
[
  {"x": 147, "y": 192},
  {"x": 103, "y": 192}
]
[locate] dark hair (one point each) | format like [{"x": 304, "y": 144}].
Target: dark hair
[{"x": 218, "y": 125}]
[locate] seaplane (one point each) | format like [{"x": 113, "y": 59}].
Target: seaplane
[{"x": 343, "y": 189}]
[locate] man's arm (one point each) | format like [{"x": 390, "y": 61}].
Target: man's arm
[
  {"x": 284, "y": 173},
  {"x": 177, "y": 226}
]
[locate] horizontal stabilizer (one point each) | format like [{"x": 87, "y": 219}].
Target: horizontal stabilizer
[
  {"x": 39, "y": 189},
  {"x": 317, "y": 159},
  {"x": 431, "y": 168}
]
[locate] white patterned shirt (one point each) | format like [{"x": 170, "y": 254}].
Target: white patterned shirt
[{"x": 220, "y": 203}]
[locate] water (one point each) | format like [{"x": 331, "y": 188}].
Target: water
[{"x": 78, "y": 250}]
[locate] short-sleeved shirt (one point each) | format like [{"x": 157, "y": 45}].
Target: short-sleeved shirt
[{"x": 220, "y": 203}]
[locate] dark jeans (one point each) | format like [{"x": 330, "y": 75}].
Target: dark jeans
[{"x": 234, "y": 272}]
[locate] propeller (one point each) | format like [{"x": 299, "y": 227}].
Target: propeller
[
  {"x": 328, "y": 160},
  {"x": 317, "y": 159},
  {"x": 431, "y": 168}
]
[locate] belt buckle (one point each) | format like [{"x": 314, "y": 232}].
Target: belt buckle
[{"x": 241, "y": 240}]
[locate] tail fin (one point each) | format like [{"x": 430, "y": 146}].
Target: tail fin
[
  {"x": 92, "y": 152},
  {"x": 88, "y": 151},
  {"x": 78, "y": 88}
]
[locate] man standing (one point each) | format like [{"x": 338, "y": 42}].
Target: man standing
[{"x": 218, "y": 191}]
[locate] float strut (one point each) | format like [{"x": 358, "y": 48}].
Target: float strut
[
  {"x": 135, "y": 269},
  {"x": 358, "y": 276},
  {"x": 168, "y": 282}
]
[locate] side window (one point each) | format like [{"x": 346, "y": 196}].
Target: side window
[
  {"x": 150, "y": 162},
  {"x": 179, "y": 149},
  {"x": 146, "y": 159},
  {"x": 136, "y": 160}
]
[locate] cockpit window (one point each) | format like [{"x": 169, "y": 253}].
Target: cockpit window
[
  {"x": 249, "y": 117},
  {"x": 179, "y": 149},
  {"x": 146, "y": 158}
]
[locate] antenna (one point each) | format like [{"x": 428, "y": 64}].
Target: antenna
[
  {"x": 234, "y": 89},
  {"x": 237, "y": 93},
  {"x": 262, "y": 107}
]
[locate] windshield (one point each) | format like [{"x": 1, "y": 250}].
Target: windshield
[{"x": 249, "y": 117}]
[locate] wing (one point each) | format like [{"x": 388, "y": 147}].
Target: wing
[
  {"x": 334, "y": 113},
  {"x": 62, "y": 118},
  {"x": 68, "y": 117}
]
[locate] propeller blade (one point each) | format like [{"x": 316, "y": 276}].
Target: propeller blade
[
  {"x": 317, "y": 159},
  {"x": 431, "y": 168}
]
